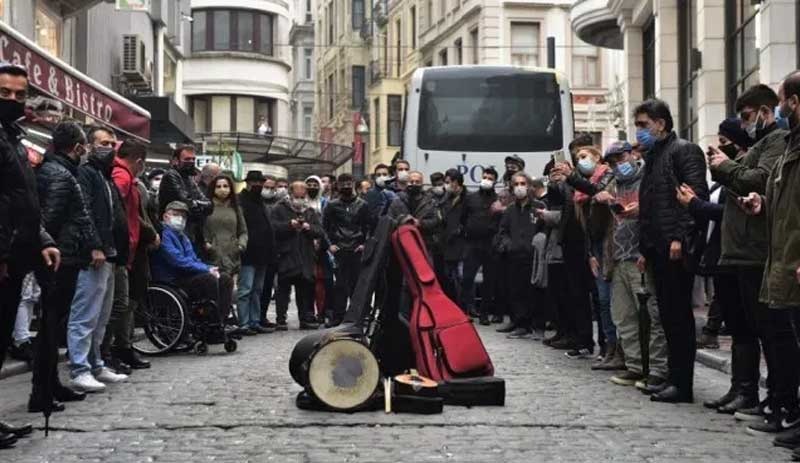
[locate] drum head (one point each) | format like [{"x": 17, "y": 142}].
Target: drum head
[{"x": 343, "y": 374}]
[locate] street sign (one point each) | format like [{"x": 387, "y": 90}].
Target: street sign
[{"x": 133, "y": 5}]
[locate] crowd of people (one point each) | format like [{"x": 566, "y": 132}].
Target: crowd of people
[{"x": 620, "y": 237}]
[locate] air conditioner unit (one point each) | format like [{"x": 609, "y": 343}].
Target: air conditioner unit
[{"x": 134, "y": 65}]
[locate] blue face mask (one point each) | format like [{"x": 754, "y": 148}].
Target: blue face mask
[
  {"x": 624, "y": 169},
  {"x": 781, "y": 121},
  {"x": 586, "y": 167},
  {"x": 645, "y": 138}
]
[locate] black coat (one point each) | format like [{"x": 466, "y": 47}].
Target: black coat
[
  {"x": 708, "y": 250},
  {"x": 20, "y": 217},
  {"x": 178, "y": 187},
  {"x": 425, "y": 210},
  {"x": 295, "y": 249},
  {"x": 662, "y": 219},
  {"x": 453, "y": 238},
  {"x": 347, "y": 223},
  {"x": 479, "y": 222},
  {"x": 64, "y": 212},
  {"x": 107, "y": 212},
  {"x": 260, "y": 236},
  {"x": 517, "y": 227}
]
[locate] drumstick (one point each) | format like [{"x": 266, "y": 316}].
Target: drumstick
[{"x": 387, "y": 395}]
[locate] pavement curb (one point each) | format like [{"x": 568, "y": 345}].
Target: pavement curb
[
  {"x": 15, "y": 367},
  {"x": 714, "y": 359}
]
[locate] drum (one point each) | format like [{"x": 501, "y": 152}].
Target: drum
[{"x": 336, "y": 368}]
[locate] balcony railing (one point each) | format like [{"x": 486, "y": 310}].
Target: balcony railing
[{"x": 376, "y": 71}]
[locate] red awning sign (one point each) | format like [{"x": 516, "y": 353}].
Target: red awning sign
[{"x": 57, "y": 80}]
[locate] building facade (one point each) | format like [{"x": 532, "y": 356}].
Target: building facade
[
  {"x": 408, "y": 34},
  {"x": 301, "y": 38},
  {"x": 237, "y": 74},
  {"x": 697, "y": 55}
]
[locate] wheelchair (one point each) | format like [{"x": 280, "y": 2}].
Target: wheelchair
[{"x": 168, "y": 322}]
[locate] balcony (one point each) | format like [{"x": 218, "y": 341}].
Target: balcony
[
  {"x": 376, "y": 71},
  {"x": 596, "y": 23},
  {"x": 366, "y": 30}
]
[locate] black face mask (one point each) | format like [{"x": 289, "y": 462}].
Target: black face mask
[
  {"x": 313, "y": 193},
  {"x": 256, "y": 189},
  {"x": 103, "y": 158},
  {"x": 730, "y": 150},
  {"x": 346, "y": 192},
  {"x": 11, "y": 111},
  {"x": 186, "y": 168},
  {"x": 414, "y": 190}
]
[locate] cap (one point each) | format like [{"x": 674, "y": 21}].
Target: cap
[
  {"x": 177, "y": 206},
  {"x": 515, "y": 159},
  {"x": 617, "y": 148},
  {"x": 731, "y": 128},
  {"x": 255, "y": 176}
]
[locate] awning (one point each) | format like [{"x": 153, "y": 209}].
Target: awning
[
  {"x": 168, "y": 123},
  {"x": 56, "y": 79}
]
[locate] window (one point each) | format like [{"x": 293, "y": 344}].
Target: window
[
  {"x": 459, "y": 52},
  {"x": 331, "y": 94},
  {"x": 413, "y": 16},
  {"x": 308, "y": 11},
  {"x": 473, "y": 38},
  {"x": 443, "y": 57},
  {"x": 741, "y": 47},
  {"x": 48, "y": 30},
  {"x": 232, "y": 30},
  {"x": 377, "y": 124},
  {"x": 525, "y": 44},
  {"x": 200, "y": 115},
  {"x": 687, "y": 93},
  {"x": 429, "y": 12},
  {"x": 399, "y": 41},
  {"x": 359, "y": 86},
  {"x": 649, "y": 60},
  {"x": 443, "y": 9},
  {"x": 229, "y": 113},
  {"x": 199, "y": 31},
  {"x": 584, "y": 64},
  {"x": 358, "y": 14},
  {"x": 308, "y": 120},
  {"x": 330, "y": 18},
  {"x": 308, "y": 53},
  {"x": 395, "y": 118}
]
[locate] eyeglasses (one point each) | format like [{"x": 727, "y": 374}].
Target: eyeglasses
[{"x": 8, "y": 94}]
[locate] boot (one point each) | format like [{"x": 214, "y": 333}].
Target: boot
[
  {"x": 614, "y": 359},
  {"x": 745, "y": 364},
  {"x": 733, "y": 391}
]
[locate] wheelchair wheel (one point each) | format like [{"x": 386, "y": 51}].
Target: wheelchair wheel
[
  {"x": 160, "y": 322},
  {"x": 230, "y": 346}
]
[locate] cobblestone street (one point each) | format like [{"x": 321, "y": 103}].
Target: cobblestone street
[{"x": 240, "y": 407}]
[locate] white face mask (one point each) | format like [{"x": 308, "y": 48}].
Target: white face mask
[
  {"x": 176, "y": 222},
  {"x": 281, "y": 192},
  {"x": 437, "y": 190},
  {"x": 269, "y": 193},
  {"x": 381, "y": 181},
  {"x": 520, "y": 192},
  {"x": 155, "y": 184},
  {"x": 486, "y": 184},
  {"x": 450, "y": 187},
  {"x": 402, "y": 175}
]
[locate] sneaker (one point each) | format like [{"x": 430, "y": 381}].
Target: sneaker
[
  {"x": 564, "y": 343},
  {"x": 580, "y": 353},
  {"x": 262, "y": 330},
  {"x": 268, "y": 324},
  {"x": 520, "y": 333},
  {"x": 788, "y": 440},
  {"x": 627, "y": 378},
  {"x": 754, "y": 414},
  {"x": 776, "y": 423},
  {"x": 86, "y": 383},
  {"x": 107, "y": 376}
]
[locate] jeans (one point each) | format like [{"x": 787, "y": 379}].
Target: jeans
[
  {"x": 31, "y": 292},
  {"x": 602, "y": 299},
  {"x": 478, "y": 256},
  {"x": 625, "y": 308},
  {"x": 88, "y": 316},
  {"x": 577, "y": 316},
  {"x": 251, "y": 287}
]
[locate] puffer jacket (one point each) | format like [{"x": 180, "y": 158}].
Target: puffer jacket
[
  {"x": 98, "y": 192},
  {"x": 425, "y": 210},
  {"x": 295, "y": 248},
  {"x": 479, "y": 222},
  {"x": 743, "y": 236},
  {"x": 64, "y": 212},
  {"x": 178, "y": 187},
  {"x": 347, "y": 223},
  {"x": 671, "y": 162}
]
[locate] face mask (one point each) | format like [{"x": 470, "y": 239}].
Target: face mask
[
  {"x": 730, "y": 150},
  {"x": 486, "y": 184},
  {"x": 11, "y": 111},
  {"x": 645, "y": 138},
  {"x": 437, "y": 190},
  {"x": 256, "y": 189},
  {"x": 176, "y": 222},
  {"x": 298, "y": 203},
  {"x": 103, "y": 158},
  {"x": 186, "y": 168},
  {"x": 510, "y": 171},
  {"x": 281, "y": 192},
  {"x": 414, "y": 190},
  {"x": 586, "y": 167},
  {"x": 313, "y": 193},
  {"x": 269, "y": 193},
  {"x": 402, "y": 175},
  {"x": 381, "y": 181},
  {"x": 346, "y": 192},
  {"x": 155, "y": 184},
  {"x": 520, "y": 192},
  {"x": 451, "y": 188},
  {"x": 789, "y": 114},
  {"x": 222, "y": 192},
  {"x": 624, "y": 169}
]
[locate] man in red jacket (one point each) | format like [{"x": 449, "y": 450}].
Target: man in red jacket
[{"x": 129, "y": 163}]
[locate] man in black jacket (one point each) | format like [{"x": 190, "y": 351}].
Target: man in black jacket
[
  {"x": 453, "y": 236},
  {"x": 667, "y": 234},
  {"x": 415, "y": 207},
  {"x": 346, "y": 222},
  {"x": 24, "y": 245},
  {"x": 271, "y": 197},
  {"x": 480, "y": 226},
  {"x": 66, "y": 218},
  {"x": 94, "y": 292},
  {"x": 178, "y": 185},
  {"x": 257, "y": 255},
  {"x": 296, "y": 226}
]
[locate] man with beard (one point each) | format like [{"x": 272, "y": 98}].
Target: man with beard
[
  {"x": 414, "y": 207},
  {"x": 178, "y": 185}
]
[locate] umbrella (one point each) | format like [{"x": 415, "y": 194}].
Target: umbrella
[
  {"x": 644, "y": 324},
  {"x": 46, "y": 362}
]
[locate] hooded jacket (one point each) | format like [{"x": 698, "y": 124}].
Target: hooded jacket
[{"x": 320, "y": 202}]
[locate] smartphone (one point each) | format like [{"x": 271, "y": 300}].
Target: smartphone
[{"x": 558, "y": 156}]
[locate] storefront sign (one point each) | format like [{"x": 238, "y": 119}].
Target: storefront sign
[
  {"x": 59, "y": 81},
  {"x": 133, "y": 5}
]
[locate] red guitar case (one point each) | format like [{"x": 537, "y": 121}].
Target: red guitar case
[{"x": 444, "y": 340}]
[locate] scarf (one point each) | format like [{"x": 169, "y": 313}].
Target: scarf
[{"x": 579, "y": 197}]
